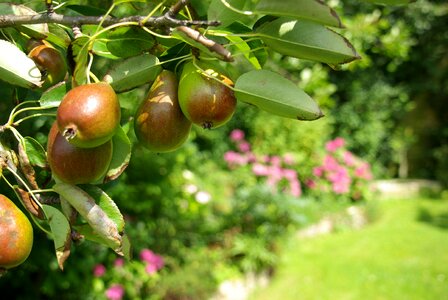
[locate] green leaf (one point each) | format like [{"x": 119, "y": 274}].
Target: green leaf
[
  {"x": 54, "y": 95},
  {"x": 242, "y": 47},
  {"x": 35, "y": 152},
  {"x": 218, "y": 11},
  {"x": 61, "y": 233},
  {"x": 39, "y": 31},
  {"x": 81, "y": 47},
  {"x": 271, "y": 92},
  {"x": 100, "y": 48},
  {"x": 129, "y": 41},
  {"x": 108, "y": 228},
  {"x": 312, "y": 10},
  {"x": 16, "y": 68},
  {"x": 133, "y": 72},
  {"x": 58, "y": 36},
  {"x": 121, "y": 155},
  {"x": 307, "y": 40},
  {"x": 87, "y": 10}
]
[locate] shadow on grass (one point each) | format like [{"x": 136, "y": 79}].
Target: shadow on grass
[{"x": 438, "y": 220}]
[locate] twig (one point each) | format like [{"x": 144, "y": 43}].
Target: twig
[{"x": 54, "y": 18}]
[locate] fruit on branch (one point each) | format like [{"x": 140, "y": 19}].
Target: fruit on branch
[
  {"x": 16, "y": 235},
  {"x": 89, "y": 115},
  {"x": 75, "y": 165},
  {"x": 160, "y": 124},
  {"x": 50, "y": 62},
  {"x": 203, "y": 98},
  {"x": 33, "y": 43}
]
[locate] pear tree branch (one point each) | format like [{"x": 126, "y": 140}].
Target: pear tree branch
[{"x": 165, "y": 21}]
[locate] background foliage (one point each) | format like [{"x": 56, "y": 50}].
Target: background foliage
[{"x": 391, "y": 109}]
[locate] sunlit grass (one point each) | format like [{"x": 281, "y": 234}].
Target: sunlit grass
[{"x": 403, "y": 255}]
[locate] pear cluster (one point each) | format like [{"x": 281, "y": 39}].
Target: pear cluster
[
  {"x": 79, "y": 147},
  {"x": 201, "y": 97}
]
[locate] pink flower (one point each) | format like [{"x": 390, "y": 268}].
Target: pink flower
[
  {"x": 233, "y": 158},
  {"x": 244, "y": 146},
  {"x": 290, "y": 174},
  {"x": 237, "y": 135},
  {"x": 335, "y": 144},
  {"x": 363, "y": 171},
  {"x": 341, "y": 187},
  {"x": 265, "y": 158},
  {"x": 318, "y": 171},
  {"x": 349, "y": 158},
  {"x": 99, "y": 270},
  {"x": 156, "y": 261},
  {"x": 311, "y": 184},
  {"x": 276, "y": 160},
  {"x": 119, "y": 262},
  {"x": 275, "y": 174},
  {"x": 251, "y": 158},
  {"x": 150, "y": 269},
  {"x": 295, "y": 188},
  {"x": 260, "y": 170},
  {"x": 115, "y": 292},
  {"x": 330, "y": 163},
  {"x": 288, "y": 159}
]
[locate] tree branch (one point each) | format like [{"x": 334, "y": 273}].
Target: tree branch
[{"x": 166, "y": 20}]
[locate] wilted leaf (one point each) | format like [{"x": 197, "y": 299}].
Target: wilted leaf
[
  {"x": 25, "y": 166},
  {"x": 29, "y": 203},
  {"x": 103, "y": 225},
  {"x": 107, "y": 205}
]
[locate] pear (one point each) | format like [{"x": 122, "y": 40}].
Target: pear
[
  {"x": 16, "y": 235},
  {"x": 75, "y": 165},
  {"x": 89, "y": 115},
  {"x": 160, "y": 124},
  {"x": 204, "y": 99}
]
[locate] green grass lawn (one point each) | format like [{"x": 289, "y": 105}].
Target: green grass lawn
[{"x": 402, "y": 255}]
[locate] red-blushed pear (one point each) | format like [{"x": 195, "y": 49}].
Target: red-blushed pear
[
  {"x": 75, "y": 165},
  {"x": 89, "y": 115},
  {"x": 50, "y": 62},
  {"x": 203, "y": 98},
  {"x": 16, "y": 235},
  {"x": 160, "y": 124}
]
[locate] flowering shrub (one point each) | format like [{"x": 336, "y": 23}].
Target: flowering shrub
[
  {"x": 133, "y": 279},
  {"x": 341, "y": 173},
  {"x": 275, "y": 169}
]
